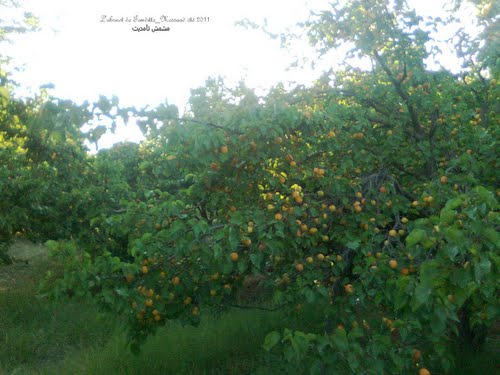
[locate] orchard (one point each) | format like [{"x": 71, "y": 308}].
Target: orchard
[{"x": 372, "y": 196}]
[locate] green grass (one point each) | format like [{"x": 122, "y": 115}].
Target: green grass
[
  {"x": 229, "y": 345},
  {"x": 39, "y": 337},
  {"x": 34, "y": 331}
]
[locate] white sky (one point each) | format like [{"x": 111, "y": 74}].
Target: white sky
[{"x": 84, "y": 57}]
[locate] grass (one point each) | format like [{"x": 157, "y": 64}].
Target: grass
[
  {"x": 218, "y": 346},
  {"x": 34, "y": 331},
  {"x": 39, "y": 337}
]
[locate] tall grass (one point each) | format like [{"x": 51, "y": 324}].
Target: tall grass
[
  {"x": 34, "y": 331},
  {"x": 225, "y": 345}
]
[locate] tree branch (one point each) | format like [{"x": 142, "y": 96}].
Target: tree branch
[
  {"x": 397, "y": 85},
  {"x": 210, "y": 124},
  {"x": 257, "y": 307}
]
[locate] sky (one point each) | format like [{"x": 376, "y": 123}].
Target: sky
[{"x": 85, "y": 57}]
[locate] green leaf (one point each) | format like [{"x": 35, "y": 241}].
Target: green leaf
[
  {"x": 4, "y": 95},
  {"x": 199, "y": 227},
  {"x": 323, "y": 342},
  {"x": 447, "y": 215},
  {"x": 422, "y": 294},
  {"x": 481, "y": 269},
  {"x": 416, "y": 236},
  {"x": 454, "y": 235},
  {"x": 310, "y": 295},
  {"x": 453, "y": 203},
  {"x": 438, "y": 323},
  {"x": 51, "y": 245},
  {"x": 242, "y": 266},
  {"x": 353, "y": 362},
  {"x": 452, "y": 252},
  {"x": 429, "y": 273},
  {"x": 272, "y": 338},
  {"x": 429, "y": 243},
  {"x": 122, "y": 292},
  {"x": 353, "y": 244},
  {"x": 340, "y": 339},
  {"x": 256, "y": 259},
  {"x": 492, "y": 235},
  {"x": 486, "y": 196}
]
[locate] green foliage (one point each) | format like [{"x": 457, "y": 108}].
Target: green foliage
[{"x": 371, "y": 196}]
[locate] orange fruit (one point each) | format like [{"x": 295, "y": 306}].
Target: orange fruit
[
  {"x": 416, "y": 354},
  {"x": 246, "y": 241}
]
